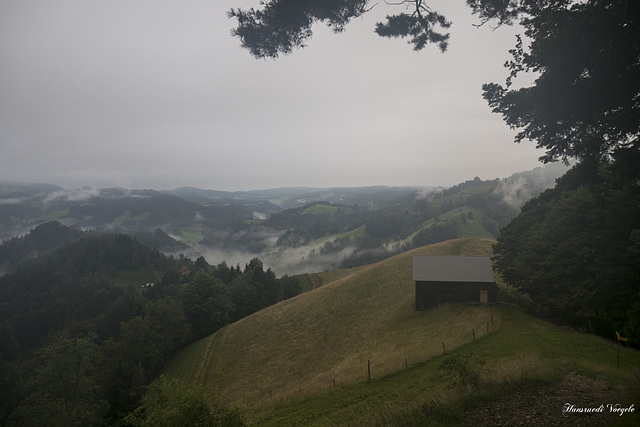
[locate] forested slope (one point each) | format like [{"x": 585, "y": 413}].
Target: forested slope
[{"x": 85, "y": 327}]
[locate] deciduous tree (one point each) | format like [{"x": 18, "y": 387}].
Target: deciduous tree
[
  {"x": 206, "y": 304},
  {"x": 585, "y": 100},
  {"x": 573, "y": 250},
  {"x": 170, "y": 403},
  {"x": 62, "y": 391}
]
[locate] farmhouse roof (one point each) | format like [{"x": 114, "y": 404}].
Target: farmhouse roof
[{"x": 431, "y": 268}]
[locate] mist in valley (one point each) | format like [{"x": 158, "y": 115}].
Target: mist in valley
[
  {"x": 238, "y": 247},
  {"x": 292, "y": 231}
]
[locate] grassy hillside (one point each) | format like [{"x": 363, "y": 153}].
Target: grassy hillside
[
  {"x": 520, "y": 374},
  {"x": 332, "y": 332},
  {"x": 281, "y": 363}
]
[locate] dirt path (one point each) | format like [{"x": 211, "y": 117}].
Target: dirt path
[{"x": 548, "y": 406}]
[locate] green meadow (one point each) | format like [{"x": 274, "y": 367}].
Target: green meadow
[{"x": 353, "y": 351}]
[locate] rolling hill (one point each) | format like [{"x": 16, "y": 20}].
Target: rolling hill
[
  {"x": 337, "y": 232},
  {"x": 331, "y": 333},
  {"x": 305, "y": 361},
  {"x": 23, "y": 206},
  {"x": 293, "y": 230}
]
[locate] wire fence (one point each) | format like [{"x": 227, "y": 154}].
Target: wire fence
[{"x": 473, "y": 335}]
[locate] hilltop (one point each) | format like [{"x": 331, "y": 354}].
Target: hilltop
[{"x": 329, "y": 333}]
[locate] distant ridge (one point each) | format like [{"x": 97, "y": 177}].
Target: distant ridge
[{"x": 293, "y": 197}]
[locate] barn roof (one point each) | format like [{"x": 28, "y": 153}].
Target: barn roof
[{"x": 431, "y": 268}]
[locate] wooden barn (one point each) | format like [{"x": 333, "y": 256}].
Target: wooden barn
[{"x": 453, "y": 279}]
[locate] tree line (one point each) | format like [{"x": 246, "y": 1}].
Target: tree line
[
  {"x": 573, "y": 249},
  {"x": 81, "y": 337}
]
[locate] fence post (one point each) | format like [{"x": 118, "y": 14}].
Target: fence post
[
  {"x": 406, "y": 363},
  {"x": 369, "y": 369},
  {"x": 443, "y": 350},
  {"x": 474, "y": 334},
  {"x": 487, "y": 327}
]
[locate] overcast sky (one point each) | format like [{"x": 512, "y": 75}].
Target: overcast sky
[{"x": 157, "y": 94}]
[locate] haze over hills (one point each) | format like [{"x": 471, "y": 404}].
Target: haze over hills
[
  {"x": 293, "y": 229},
  {"x": 294, "y": 197},
  {"x": 104, "y": 292}
]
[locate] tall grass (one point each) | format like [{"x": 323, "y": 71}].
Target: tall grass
[
  {"x": 329, "y": 334},
  {"x": 524, "y": 353},
  {"x": 281, "y": 363}
]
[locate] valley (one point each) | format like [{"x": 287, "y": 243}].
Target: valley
[
  {"x": 292, "y": 230},
  {"x": 296, "y": 316}
]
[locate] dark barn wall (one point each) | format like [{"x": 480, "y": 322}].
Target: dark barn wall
[{"x": 432, "y": 294}]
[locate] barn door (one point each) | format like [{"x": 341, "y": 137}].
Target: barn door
[{"x": 484, "y": 297}]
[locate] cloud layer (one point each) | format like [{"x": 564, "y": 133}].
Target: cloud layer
[{"x": 157, "y": 94}]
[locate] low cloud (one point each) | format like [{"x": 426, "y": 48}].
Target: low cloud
[
  {"x": 75, "y": 195},
  {"x": 514, "y": 193},
  {"x": 282, "y": 260},
  {"x": 259, "y": 215},
  {"x": 520, "y": 187},
  {"x": 14, "y": 201},
  {"x": 426, "y": 193}
]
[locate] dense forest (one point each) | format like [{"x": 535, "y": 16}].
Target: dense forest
[
  {"x": 85, "y": 328},
  {"x": 575, "y": 249}
]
